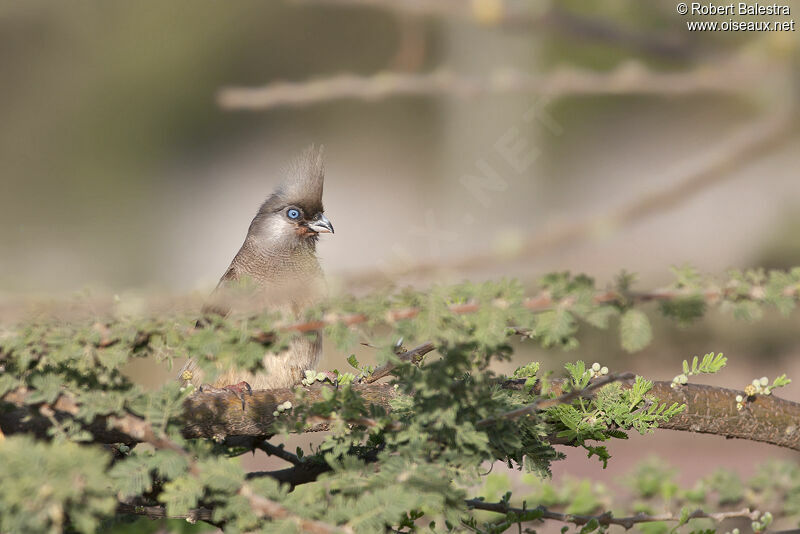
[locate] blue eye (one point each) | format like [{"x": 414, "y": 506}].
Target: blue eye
[{"x": 293, "y": 214}]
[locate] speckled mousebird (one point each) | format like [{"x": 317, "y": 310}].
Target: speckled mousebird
[{"x": 279, "y": 261}]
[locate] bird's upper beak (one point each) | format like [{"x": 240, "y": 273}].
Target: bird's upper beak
[{"x": 321, "y": 224}]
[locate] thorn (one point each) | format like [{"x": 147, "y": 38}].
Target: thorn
[{"x": 239, "y": 390}]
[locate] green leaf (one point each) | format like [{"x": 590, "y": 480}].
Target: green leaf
[
  {"x": 47, "y": 483},
  {"x": 635, "y": 331},
  {"x": 181, "y": 495}
]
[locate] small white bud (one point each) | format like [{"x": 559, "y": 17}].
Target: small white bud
[
  {"x": 764, "y": 381},
  {"x": 604, "y": 370},
  {"x": 287, "y": 405},
  {"x": 595, "y": 366},
  {"x": 739, "y": 398},
  {"x": 684, "y": 379},
  {"x": 756, "y": 382}
]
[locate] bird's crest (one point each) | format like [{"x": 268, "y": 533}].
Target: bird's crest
[{"x": 304, "y": 180}]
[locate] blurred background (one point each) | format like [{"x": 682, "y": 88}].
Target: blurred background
[{"x": 464, "y": 140}]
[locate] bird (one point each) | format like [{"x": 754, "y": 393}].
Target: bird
[{"x": 278, "y": 269}]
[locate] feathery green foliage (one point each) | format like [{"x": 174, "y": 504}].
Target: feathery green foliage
[{"x": 421, "y": 455}]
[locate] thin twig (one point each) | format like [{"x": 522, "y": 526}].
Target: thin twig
[
  {"x": 268, "y": 508},
  {"x": 160, "y": 512},
  {"x": 280, "y": 452},
  {"x": 627, "y": 79},
  {"x": 264, "y": 507},
  {"x": 414, "y": 355},
  {"x": 607, "y": 518},
  {"x": 542, "y": 404}
]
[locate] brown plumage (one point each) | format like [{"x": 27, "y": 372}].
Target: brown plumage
[{"x": 277, "y": 268}]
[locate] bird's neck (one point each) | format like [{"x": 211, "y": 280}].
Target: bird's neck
[{"x": 276, "y": 262}]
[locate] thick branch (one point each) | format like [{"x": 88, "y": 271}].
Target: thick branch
[
  {"x": 219, "y": 415},
  {"x": 710, "y": 410}
]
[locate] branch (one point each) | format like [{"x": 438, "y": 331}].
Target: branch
[
  {"x": 280, "y": 452},
  {"x": 553, "y": 20},
  {"x": 414, "y": 355},
  {"x": 268, "y": 508},
  {"x": 264, "y": 507},
  {"x": 219, "y": 415},
  {"x": 607, "y": 518},
  {"x": 261, "y": 506},
  {"x": 627, "y": 79},
  {"x": 710, "y": 410},
  {"x": 715, "y": 165},
  {"x": 294, "y": 476},
  {"x": 541, "y": 302},
  {"x": 160, "y": 512},
  {"x": 543, "y": 403}
]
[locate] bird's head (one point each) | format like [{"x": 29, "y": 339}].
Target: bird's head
[{"x": 293, "y": 215}]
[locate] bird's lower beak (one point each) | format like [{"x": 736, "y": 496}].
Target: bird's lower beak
[{"x": 321, "y": 225}]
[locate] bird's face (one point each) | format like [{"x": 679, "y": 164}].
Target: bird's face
[
  {"x": 293, "y": 216},
  {"x": 306, "y": 225},
  {"x": 283, "y": 225}
]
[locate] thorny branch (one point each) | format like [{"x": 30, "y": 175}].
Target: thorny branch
[
  {"x": 280, "y": 452},
  {"x": 542, "y": 403},
  {"x": 710, "y": 410},
  {"x": 540, "y": 512},
  {"x": 261, "y": 506},
  {"x": 414, "y": 355},
  {"x": 607, "y": 518},
  {"x": 268, "y": 508}
]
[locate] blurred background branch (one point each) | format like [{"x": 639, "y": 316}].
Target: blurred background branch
[
  {"x": 632, "y": 78},
  {"x": 714, "y": 165},
  {"x": 530, "y": 16}
]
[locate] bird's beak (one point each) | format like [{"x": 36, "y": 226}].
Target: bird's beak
[{"x": 321, "y": 224}]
